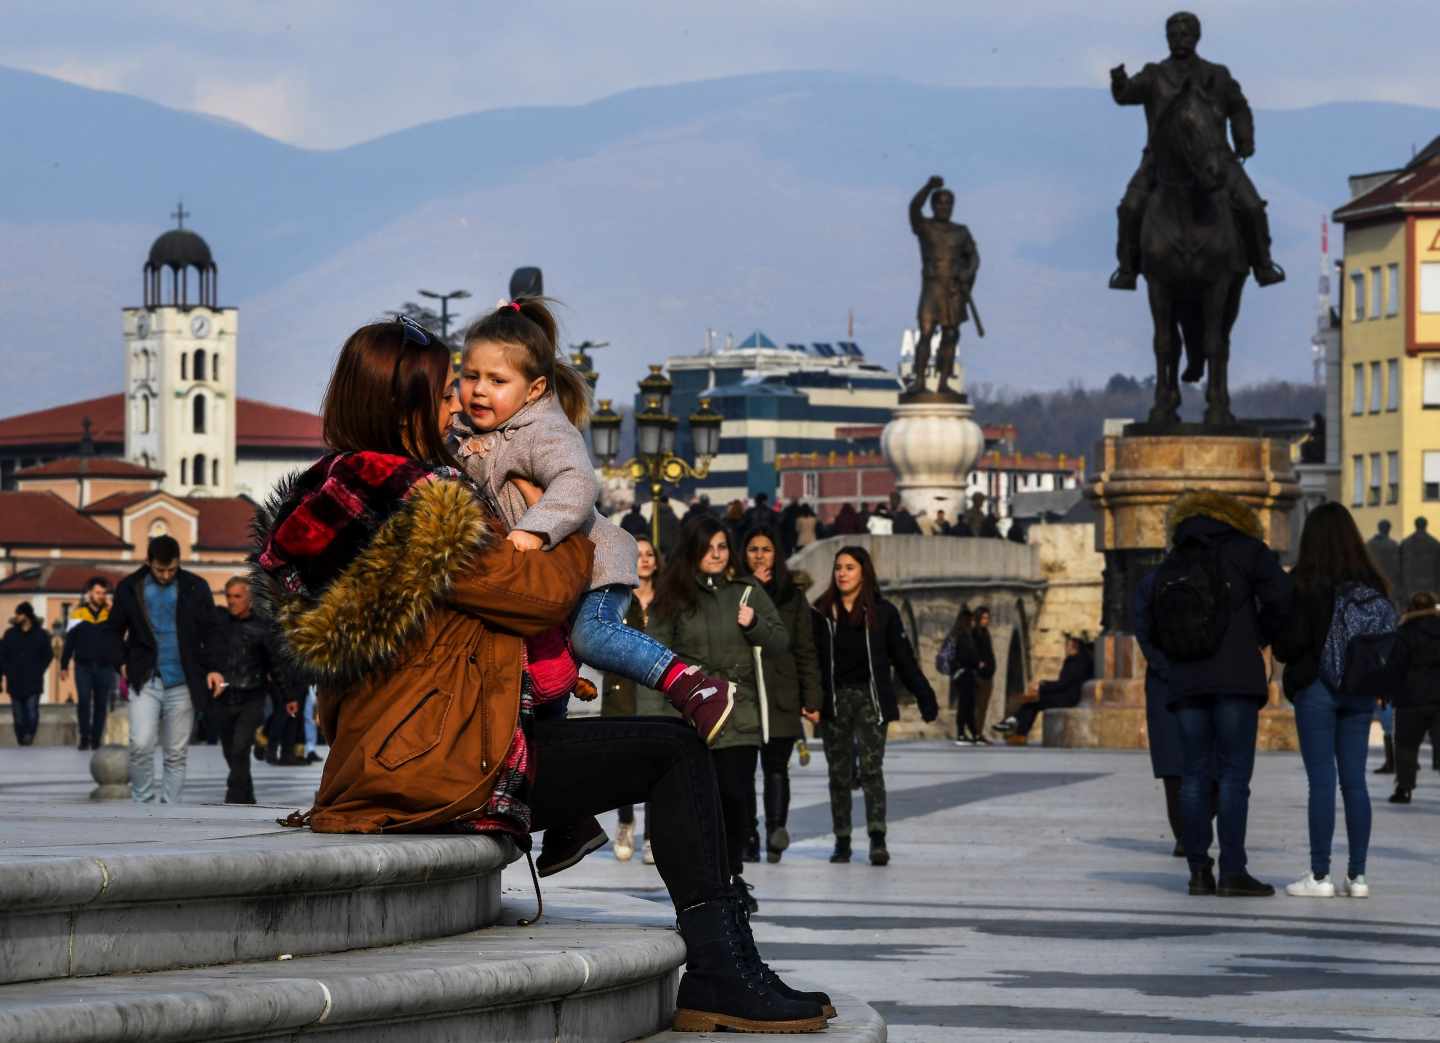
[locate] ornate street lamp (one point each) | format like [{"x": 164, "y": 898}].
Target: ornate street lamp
[{"x": 655, "y": 461}]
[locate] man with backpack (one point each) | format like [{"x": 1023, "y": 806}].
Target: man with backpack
[{"x": 1219, "y": 596}]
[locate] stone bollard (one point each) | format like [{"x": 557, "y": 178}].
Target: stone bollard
[{"x": 110, "y": 764}]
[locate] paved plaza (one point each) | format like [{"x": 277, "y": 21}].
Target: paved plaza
[{"x": 1032, "y": 896}]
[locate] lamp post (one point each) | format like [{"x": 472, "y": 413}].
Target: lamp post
[
  {"x": 445, "y": 299},
  {"x": 655, "y": 461}
]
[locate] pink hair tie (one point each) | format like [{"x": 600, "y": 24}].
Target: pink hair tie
[{"x": 515, "y": 305}]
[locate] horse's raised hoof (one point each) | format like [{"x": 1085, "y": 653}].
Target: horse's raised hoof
[
  {"x": 1125, "y": 279},
  {"x": 1269, "y": 274},
  {"x": 1194, "y": 371}
]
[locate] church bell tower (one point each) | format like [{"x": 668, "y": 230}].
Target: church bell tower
[{"x": 180, "y": 369}]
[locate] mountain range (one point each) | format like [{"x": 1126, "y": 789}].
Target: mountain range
[{"x": 772, "y": 201}]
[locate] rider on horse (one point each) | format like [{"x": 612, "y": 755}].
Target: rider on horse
[{"x": 1156, "y": 87}]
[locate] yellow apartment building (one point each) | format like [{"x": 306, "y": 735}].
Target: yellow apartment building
[{"x": 1390, "y": 345}]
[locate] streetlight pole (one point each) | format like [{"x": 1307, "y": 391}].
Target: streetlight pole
[
  {"x": 445, "y": 299},
  {"x": 655, "y": 461}
]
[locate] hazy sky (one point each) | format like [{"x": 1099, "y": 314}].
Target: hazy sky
[{"x": 328, "y": 73}]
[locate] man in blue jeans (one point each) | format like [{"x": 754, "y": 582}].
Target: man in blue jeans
[
  {"x": 1217, "y": 699},
  {"x": 162, "y": 617},
  {"x": 88, "y": 643}
]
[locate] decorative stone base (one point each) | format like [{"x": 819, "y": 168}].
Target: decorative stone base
[{"x": 931, "y": 446}]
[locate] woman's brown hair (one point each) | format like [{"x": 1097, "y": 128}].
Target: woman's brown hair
[
  {"x": 832, "y": 605},
  {"x": 1332, "y": 552},
  {"x": 527, "y": 326},
  {"x": 675, "y": 590},
  {"x": 382, "y": 396}
]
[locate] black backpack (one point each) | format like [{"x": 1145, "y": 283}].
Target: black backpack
[{"x": 1190, "y": 608}]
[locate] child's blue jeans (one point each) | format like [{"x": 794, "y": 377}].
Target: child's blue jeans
[{"x": 601, "y": 639}]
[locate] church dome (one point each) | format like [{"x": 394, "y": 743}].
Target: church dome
[{"x": 180, "y": 248}]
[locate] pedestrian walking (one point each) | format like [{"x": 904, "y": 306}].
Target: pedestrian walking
[
  {"x": 25, "y": 655},
  {"x": 90, "y": 644},
  {"x": 1339, "y": 594},
  {"x": 860, "y": 642},
  {"x": 984, "y": 675},
  {"x": 621, "y": 697},
  {"x": 957, "y": 660},
  {"x": 806, "y": 526},
  {"x": 1220, "y": 596},
  {"x": 1419, "y": 562},
  {"x": 713, "y": 619},
  {"x": 243, "y": 665},
  {"x": 161, "y": 619},
  {"x": 1417, "y": 700},
  {"x": 792, "y": 682}
]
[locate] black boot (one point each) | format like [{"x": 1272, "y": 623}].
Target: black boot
[
  {"x": 566, "y": 843},
  {"x": 746, "y": 893},
  {"x": 726, "y": 986},
  {"x": 1127, "y": 251},
  {"x": 1202, "y": 880},
  {"x": 1257, "y": 244},
  {"x": 1388, "y": 768},
  {"x": 777, "y": 811},
  {"x": 1242, "y": 885},
  {"x": 879, "y": 855},
  {"x": 842, "y": 850},
  {"x": 773, "y": 980}
]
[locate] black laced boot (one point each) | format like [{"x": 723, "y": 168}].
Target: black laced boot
[
  {"x": 725, "y": 985},
  {"x": 822, "y": 998},
  {"x": 842, "y": 850}
]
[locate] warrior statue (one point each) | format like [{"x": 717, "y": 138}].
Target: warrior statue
[
  {"x": 1156, "y": 87},
  {"x": 949, "y": 261}
]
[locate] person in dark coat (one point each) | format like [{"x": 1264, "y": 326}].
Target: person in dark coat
[
  {"x": 634, "y": 522},
  {"x": 1417, "y": 702},
  {"x": 1217, "y": 700},
  {"x": 859, "y": 642},
  {"x": 847, "y": 522},
  {"x": 90, "y": 643},
  {"x": 1419, "y": 562},
  {"x": 964, "y": 661},
  {"x": 984, "y": 675},
  {"x": 25, "y": 655},
  {"x": 1060, "y": 694}
]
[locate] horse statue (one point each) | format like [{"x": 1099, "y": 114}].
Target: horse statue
[{"x": 1192, "y": 256}]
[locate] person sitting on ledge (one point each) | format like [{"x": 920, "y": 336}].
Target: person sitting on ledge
[
  {"x": 395, "y": 591},
  {"x": 1061, "y": 694}
]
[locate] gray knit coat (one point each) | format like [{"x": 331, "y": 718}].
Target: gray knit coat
[{"x": 540, "y": 444}]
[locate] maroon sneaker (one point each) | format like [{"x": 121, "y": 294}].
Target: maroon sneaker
[{"x": 706, "y": 702}]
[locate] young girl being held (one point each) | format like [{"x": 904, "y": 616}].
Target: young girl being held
[{"x": 522, "y": 405}]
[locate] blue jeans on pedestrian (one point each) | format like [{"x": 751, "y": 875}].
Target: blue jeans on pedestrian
[
  {"x": 1217, "y": 738},
  {"x": 25, "y": 709},
  {"x": 1335, "y": 731},
  {"x": 601, "y": 639},
  {"x": 166, "y": 713},
  {"x": 94, "y": 683},
  {"x": 1386, "y": 716},
  {"x": 312, "y": 730}
]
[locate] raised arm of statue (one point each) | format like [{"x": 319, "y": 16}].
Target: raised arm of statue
[
  {"x": 917, "y": 205},
  {"x": 1242, "y": 120},
  {"x": 1131, "y": 90}
]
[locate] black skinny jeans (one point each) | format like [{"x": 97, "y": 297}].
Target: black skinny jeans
[
  {"x": 586, "y": 766},
  {"x": 735, "y": 774},
  {"x": 236, "y": 716}
]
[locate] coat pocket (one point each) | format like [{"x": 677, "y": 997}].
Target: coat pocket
[{"x": 418, "y": 732}]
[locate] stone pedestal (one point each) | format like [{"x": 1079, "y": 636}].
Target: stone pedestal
[
  {"x": 1137, "y": 478},
  {"x": 931, "y": 446}
]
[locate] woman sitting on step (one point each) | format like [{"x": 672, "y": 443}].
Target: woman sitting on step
[{"x": 395, "y": 590}]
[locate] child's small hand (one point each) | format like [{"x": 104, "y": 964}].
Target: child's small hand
[{"x": 525, "y": 540}]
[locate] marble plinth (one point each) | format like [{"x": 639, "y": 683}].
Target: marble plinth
[{"x": 931, "y": 446}]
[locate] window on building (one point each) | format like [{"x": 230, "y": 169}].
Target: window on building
[
  {"x": 1392, "y": 286},
  {"x": 197, "y": 410},
  {"x": 1430, "y": 287},
  {"x": 198, "y": 469},
  {"x": 1392, "y": 383},
  {"x": 1392, "y": 474},
  {"x": 810, "y": 485},
  {"x": 215, "y": 472},
  {"x": 1377, "y": 294},
  {"x": 184, "y": 471},
  {"x": 1357, "y": 296},
  {"x": 184, "y": 366},
  {"x": 144, "y": 414},
  {"x": 1377, "y": 389},
  {"x": 199, "y": 363},
  {"x": 767, "y": 450},
  {"x": 1357, "y": 401},
  {"x": 1357, "y": 481},
  {"x": 1430, "y": 384},
  {"x": 1375, "y": 476},
  {"x": 1430, "y": 462},
  {"x": 215, "y": 367}
]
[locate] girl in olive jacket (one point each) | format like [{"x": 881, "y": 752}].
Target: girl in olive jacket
[{"x": 709, "y": 618}]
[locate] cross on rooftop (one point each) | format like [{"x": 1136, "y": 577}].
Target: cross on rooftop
[{"x": 180, "y": 213}]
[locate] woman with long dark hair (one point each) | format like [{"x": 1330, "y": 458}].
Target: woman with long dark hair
[
  {"x": 859, "y": 639},
  {"x": 964, "y": 658},
  {"x": 1334, "y": 576},
  {"x": 715, "y": 620},
  {"x": 395, "y": 590},
  {"x": 792, "y": 681}
]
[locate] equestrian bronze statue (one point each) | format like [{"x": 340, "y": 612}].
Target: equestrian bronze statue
[
  {"x": 1191, "y": 220},
  {"x": 949, "y": 261}
]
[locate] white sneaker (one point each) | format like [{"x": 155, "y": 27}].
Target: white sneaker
[
  {"x": 647, "y": 856},
  {"x": 1309, "y": 887},
  {"x": 1353, "y": 887},
  {"x": 625, "y": 842}
]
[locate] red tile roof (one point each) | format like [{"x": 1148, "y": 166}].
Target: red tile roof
[
  {"x": 30, "y": 519},
  {"x": 224, "y": 521},
  {"x": 1416, "y": 188},
  {"x": 89, "y": 467},
  {"x": 258, "y": 425},
  {"x": 115, "y": 503},
  {"x": 61, "y": 578}
]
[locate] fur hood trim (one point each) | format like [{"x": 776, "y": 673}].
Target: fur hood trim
[
  {"x": 362, "y": 621},
  {"x": 1221, "y": 507},
  {"x": 1419, "y": 614}
]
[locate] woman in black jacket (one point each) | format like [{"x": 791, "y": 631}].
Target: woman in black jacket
[
  {"x": 1417, "y": 703},
  {"x": 1334, "y": 729},
  {"x": 965, "y": 659},
  {"x": 1059, "y": 694},
  {"x": 858, "y": 641}
]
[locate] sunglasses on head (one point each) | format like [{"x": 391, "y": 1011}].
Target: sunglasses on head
[{"x": 413, "y": 332}]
